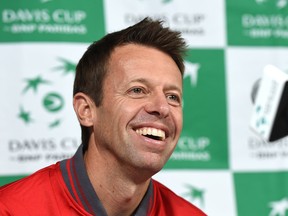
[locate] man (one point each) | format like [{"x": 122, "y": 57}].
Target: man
[{"x": 128, "y": 100}]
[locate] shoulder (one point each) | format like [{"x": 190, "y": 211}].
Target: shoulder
[
  {"x": 30, "y": 187},
  {"x": 42, "y": 193},
  {"x": 173, "y": 204}
]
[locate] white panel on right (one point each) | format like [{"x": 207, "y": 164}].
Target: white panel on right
[{"x": 248, "y": 151}]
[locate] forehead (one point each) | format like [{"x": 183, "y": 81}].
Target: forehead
[{"x": 137, "y": 61}]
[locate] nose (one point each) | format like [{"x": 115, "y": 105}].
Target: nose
[{"x": 158, "y": 106}]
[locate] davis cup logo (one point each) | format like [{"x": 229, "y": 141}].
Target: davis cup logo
[
  {"x": 195, "y": 195},
  {"x": 52, "y": 101}
]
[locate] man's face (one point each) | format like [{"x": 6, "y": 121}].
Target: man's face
[{"x": 140, "y": 119}]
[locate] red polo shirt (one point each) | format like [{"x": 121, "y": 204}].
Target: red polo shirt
[{"x": 65, "y": 189}]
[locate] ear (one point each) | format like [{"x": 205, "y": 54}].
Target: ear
[{"x": 84, "y": 109}]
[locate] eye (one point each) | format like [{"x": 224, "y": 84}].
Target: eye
[
  {"x": 174, "y": 99},
  {"x": 136, "y": 92}
]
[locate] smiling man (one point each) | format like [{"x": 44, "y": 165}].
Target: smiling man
[{"x": 128, "y": 100}]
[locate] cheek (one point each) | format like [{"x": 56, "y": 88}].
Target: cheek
[
  {"x": 120, "y": 112},
  {"x": 128, "y": 106},
  {"x": 177, "y": 112},
  {"x": 178, "y": 118}
]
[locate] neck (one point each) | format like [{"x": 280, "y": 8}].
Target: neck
[{"x": 117, "y": 188}]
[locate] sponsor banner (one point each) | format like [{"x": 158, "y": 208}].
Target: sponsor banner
[
  {"x": 213, "y": 197},
  {"x": 38, "y": 123},
  {"x": 257, "y": 22},
  {"x": 248, "y": 151},
  {"x": 264, "y": 194},
  {"x": 202, "y": 23},
  {"x": 50, "y": 20},
  {"x": 203, "y": 142}
]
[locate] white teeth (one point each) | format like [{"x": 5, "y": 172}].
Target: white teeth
[{"x": 151, "y": 131}]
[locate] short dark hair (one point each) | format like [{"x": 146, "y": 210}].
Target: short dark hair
[{"x": 92, "y": 67}]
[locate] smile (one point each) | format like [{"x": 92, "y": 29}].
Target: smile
[{"x": 152, "y": 133}]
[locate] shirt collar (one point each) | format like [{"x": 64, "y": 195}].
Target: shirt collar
[{"x": 78, "y": 183}]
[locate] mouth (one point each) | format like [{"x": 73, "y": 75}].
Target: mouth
[{"x": 152, "y": 133}]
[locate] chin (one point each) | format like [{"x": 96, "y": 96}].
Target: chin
[{"x": 154, "y": 167}]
